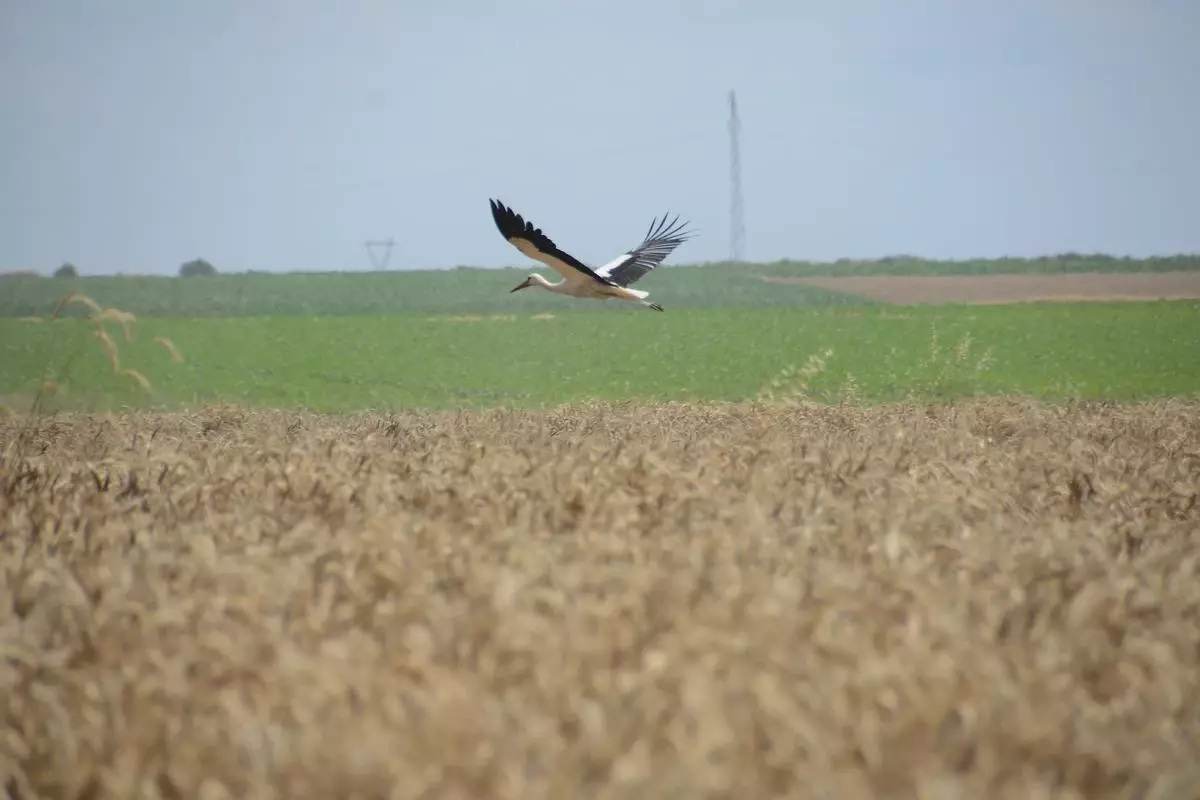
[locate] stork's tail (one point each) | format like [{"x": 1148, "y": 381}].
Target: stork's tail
[{"x": 640, "y": 296}]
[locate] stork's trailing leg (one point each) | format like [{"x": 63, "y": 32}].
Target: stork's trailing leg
[{"x": 654, "y": 306}]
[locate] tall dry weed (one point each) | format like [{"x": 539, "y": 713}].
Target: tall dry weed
[
  {"x": 989, "y": 600},
  {"x": 940, "y": 375},
  {"x": 795, "y": 384},
  {"x": 51, "y": 385},
  {"x": 949, "y": 374}
]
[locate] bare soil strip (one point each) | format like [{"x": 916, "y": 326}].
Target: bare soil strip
[
  {"x": 987, "y": 289},
  {"x": 996, "y": 599}
]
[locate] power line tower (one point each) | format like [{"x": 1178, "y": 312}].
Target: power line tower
[
  {"x": 380, "y": 262},
  {"x": 737, "y": 222}
]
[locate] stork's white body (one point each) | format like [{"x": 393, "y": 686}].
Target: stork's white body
[
  {"x": 584, "y": 287},
  {"x": 609, "y": 281}
]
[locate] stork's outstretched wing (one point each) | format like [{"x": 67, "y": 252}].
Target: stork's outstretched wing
[
  {"x": 538, "y": 246},
  {"x": 661, "y": 239}
]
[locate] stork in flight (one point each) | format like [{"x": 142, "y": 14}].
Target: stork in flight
[{"x": 579, "y": 280}]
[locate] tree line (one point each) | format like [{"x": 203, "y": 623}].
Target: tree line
[{"x": 195, "y": 268}]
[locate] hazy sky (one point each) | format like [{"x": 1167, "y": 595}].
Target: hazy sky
[{"x": 273, "y": 134}]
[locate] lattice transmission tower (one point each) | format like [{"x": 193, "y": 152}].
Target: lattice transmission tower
[
  {"x": 380, "y": 259},
  {"x": 737, "y": 222}
]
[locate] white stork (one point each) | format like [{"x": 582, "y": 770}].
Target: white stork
[{"x": 579, "y": 280}]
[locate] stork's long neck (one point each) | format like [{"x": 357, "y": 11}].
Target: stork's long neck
[{"x": 547, "y": 285}]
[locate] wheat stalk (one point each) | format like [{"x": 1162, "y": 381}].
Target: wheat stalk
[
  {"x": 48, "y": 387},
  {"x": 110, "y": 348},
  {"x": 606, "y": 600},
  {"x": 137, "y": 376},
  {"x": 170, "y": 348},
  {"x": 122, "y": 318}
]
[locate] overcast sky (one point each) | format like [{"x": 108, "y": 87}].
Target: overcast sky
[{"x": 281, "y": 134}]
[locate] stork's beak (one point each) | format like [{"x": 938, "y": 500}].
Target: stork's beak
[{"x": 520, "y": 286}]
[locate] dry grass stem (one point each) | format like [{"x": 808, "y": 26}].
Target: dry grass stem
[
  {"x": 123, "y": 318},
  {"x": 992, "y": 599},
  {"x": 48, "y": 387},
  {"x": 80, "y": 299},
  {"x": 110, "y": 348},
  {"x": 170, "y": 348},
  {"x": 137, "y": 376}
]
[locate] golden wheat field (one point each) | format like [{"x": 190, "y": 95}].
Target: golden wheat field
[{"x": 993, "y": 598}]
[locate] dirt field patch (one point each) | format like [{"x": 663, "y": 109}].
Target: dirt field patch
[
  {"x": 983, "y": 289},
  {"x": 994, "y": 599}
]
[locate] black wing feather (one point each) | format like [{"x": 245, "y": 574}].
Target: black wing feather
[
  {"x": 661, "y": 238},
  {"x": 512, "y": 226}
]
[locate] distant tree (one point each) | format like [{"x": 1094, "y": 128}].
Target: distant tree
[
  {"x": 67, "y": 270},
  {"x": 197, "y": 267}
]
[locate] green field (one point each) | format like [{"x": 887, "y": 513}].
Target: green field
[
  {"x": 457, "y": 291},
  {"x": 457, "y": 338},
  {"x": 1119, "y": 351},
  {"x": 470, "y": 290}
]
